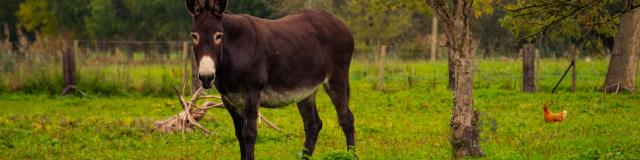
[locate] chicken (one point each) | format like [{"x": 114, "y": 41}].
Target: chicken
[{"x": 551, "y": 117}]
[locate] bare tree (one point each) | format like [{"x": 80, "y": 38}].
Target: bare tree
[
  {"x": 455, "y": 17},
  {"x": 623, "y": 67}
]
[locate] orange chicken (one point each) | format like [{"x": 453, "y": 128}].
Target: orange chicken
[{"x": 551, "y": 117}]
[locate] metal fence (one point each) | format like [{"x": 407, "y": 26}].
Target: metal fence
[
  {"x": 154, "y": 67},
  {"x": 103, "y": 67}
]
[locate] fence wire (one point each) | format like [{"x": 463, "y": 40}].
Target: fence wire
[{"x": 154, "y": 67}]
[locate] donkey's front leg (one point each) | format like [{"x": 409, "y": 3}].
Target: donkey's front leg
[
  {"x": 238, "y": 124},
  {"x": 250, "y": 129}
]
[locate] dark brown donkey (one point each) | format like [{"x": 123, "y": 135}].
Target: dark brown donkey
[{"x": 273, "y": 63}]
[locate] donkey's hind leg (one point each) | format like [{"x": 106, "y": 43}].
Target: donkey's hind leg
[
  {"x": 312, "y": 123},
  {"x": 338, "y": 89}
]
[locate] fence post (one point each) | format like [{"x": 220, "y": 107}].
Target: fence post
[
  {"x": 383, "y": 54},
  {"x": 185, "y": 49},
  {"x": 76, "y": 47},
  {"x": 574, "y": 56},
  {"x": 195, "y": 81},
  {"x": 69, "y": 71},
  {"x": 528, "y": 73}
]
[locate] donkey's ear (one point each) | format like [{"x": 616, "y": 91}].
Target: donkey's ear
[
  {"x": 193, "y": 6},
  {"x": 218, "y": 6}
]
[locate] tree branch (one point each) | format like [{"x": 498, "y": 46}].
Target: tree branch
[
  {"x": 441, "y": 10},
  {"x": 558, "y": 20},
  {"x": 526, "y": 7}
]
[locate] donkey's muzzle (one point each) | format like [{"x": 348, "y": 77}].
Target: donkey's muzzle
[{"x": 206, "y": 81}]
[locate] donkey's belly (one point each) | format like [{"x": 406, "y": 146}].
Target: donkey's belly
[{"x": 270, "y": 98}]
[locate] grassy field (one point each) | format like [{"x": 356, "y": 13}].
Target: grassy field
[{"x": 408, "y": 119}]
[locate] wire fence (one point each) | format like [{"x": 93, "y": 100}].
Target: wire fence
[
  {"x": 154, "y": 67},
  {"x": 103, "y": 67}
]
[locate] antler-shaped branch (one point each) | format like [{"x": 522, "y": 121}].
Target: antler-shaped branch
[{"x": 187, "y": 119}]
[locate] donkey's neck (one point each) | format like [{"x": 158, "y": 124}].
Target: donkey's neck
[
  {"x": 236, "y": 26},
  {"x": 240, "y": 36}
]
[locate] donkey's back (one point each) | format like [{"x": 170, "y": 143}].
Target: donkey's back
[{"x": 302, "y": 51}]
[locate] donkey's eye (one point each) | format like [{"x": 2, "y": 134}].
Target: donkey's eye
[
  {"x": 217, "y": 37},
  {"x": 196, "y": 37}
]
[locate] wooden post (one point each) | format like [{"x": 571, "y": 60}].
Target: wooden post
[
  {"x": 528, "y": 73},
  {"x": 69, "y": 71},
  {"x": 434, "y": 39},
  {"x": 383, "y": 54},
  {"x": 411, "y": 72},
  {"x": 574, "y": 56},
  {"x": 130, "y": 51},
  {"x": 76, "y": 47},
  {"x": 537, "y": 70},
  {"x": 185, "y": 49},
  {"x": 195, "y": 81}
]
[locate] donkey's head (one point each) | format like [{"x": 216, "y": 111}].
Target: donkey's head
[{"x": 207, "y": 33}]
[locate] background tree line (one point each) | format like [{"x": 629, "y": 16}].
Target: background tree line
[{"x": 402, "y": 25}]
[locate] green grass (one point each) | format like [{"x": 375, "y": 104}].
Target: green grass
[{"x": 401, "y": 122}]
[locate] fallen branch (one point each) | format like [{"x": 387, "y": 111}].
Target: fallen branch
[
  {"x": 269, "y": 123},
  {"x": 188, "y": 119}
]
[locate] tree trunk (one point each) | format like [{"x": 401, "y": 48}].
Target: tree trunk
[
  {"x": 623, "y": 67},
  {"x": 434, "y": 39},
  {"x": 456, "y": 19},
  {"x": 537, "y": 70},
  {"x": 452, "y": 70},
  {"x": 574, "y": 73}
]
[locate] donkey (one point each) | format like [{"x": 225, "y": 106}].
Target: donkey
[{"x": 255, "y": 62}]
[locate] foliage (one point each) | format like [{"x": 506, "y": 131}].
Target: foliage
[
  {"x": 7, "y": 11},
  {"x": 9, "y": 8},
  {"x": 52, "y": 17},
  {"x": 170, "y": 21},
  {"x": 105, "y": 20},
  {"x": 256, "y": 8},
  {"x": 584, "y": 22},
  {"x": 376, "y": 22},
  {"x": 372, "y": 22}
]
